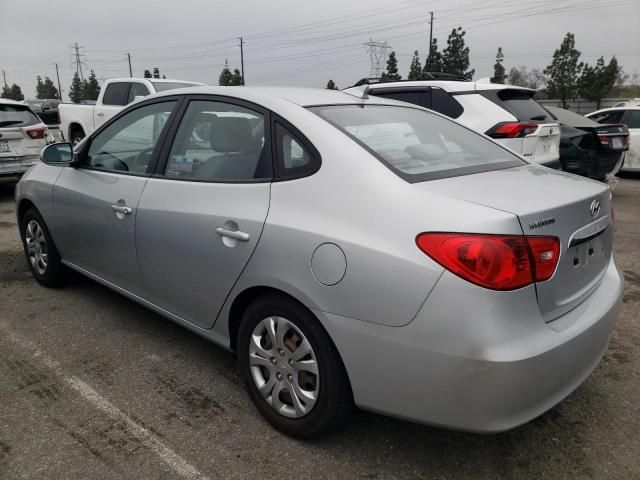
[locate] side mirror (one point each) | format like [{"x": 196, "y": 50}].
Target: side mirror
[
  {"x": 57, "y": 153},
  {"x": 46, "y": 109}
]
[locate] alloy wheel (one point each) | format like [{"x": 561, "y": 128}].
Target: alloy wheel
[
  {"x": 36, "y": 247},
  {"x": 284, "y": 367}
]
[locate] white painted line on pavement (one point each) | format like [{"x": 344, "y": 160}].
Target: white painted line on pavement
[{"x": 147, "y": 438}]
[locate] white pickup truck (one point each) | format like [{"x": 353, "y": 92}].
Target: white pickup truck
[{"x": 78, "y": 121}]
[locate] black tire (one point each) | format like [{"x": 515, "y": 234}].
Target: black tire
[
  {"x": 55, "y": 274},
  {"x": 76, "y": 137},
  {"x": 334, "y": 401}
]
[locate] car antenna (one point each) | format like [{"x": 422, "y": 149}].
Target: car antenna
[{"x": 360, "y": 91}]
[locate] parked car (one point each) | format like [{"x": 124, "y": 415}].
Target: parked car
[
  {"x": 506, "y": 113},
  {"x": 588, "y": 148},
  {"x": 46, "y": 109},
  {"x": 78, "y": 121},
  {"x": 629, "y": 103},
  {"x": 349, "y": 250},
  {"x": 22, "y": 137},
  {"x": 630, "y": 116}
]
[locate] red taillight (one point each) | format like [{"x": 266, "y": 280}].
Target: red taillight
[
  {"x": 36, "y": 133},
  {"x": 512, "y": 130},
  {"x": 498, "y": 262},
  {"x": 604, "y": 139}
]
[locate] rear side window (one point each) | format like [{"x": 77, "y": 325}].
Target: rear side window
[
  {"x": 295, "y": 156},
  {"x": 444, "y": 103},
  {"x": 520, "y": 103},
  {"x": 608, "y": 117},
  {"x": 137, "y": 90},
  {"x": 633, "y": 119},
  {"x": 16, "y": 116},
  {"x": 417, "y": 97},
  {"x": 116, "y": 94},
  {"x": 416, "y": 144}
]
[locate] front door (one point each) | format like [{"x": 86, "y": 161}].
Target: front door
[
  {"x": 201, "y": 216},
  {"x": 95, "y": 204}
]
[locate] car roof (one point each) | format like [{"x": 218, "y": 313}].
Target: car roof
[
  {"x": 168, "y": 80},
  {"x": 6, "y": 101},
  {"x": 449, "y": 85},
  {"x": 269, "y": 96},
  {"x": 610, "y": 109}
]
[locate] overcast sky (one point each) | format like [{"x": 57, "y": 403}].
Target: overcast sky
[{"x": 300, "y": 42}]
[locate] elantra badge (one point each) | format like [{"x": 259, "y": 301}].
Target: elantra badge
[{"x": 541, "y": 223}]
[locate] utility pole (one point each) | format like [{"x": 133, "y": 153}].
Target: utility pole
[
  {"x": 4, "y": 79},
  {"x": 59, "y": 87},
  {"x": 242, "y": 59},
  {"x": 430, "y": 36},
  {"x": 129, "y": 58}
]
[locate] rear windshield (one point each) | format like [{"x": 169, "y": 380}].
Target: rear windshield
[
  {"x": 16, "y": 116},
  {"x": 164, "y": 86},
  {"x": 416, "y": 144},
  {"x": 521, "y": 104}
]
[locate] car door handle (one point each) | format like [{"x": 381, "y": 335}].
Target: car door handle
[
  {"x": 122, "y": 209},
  {"x": 236, "y": 234},
  {"x": 100, "y": 114}
]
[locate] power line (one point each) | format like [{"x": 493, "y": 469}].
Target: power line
[{"x": 377, "y": 53}]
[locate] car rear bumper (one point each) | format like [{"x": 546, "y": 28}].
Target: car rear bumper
[
  {"x": 471, "y": 363},
  {"x": 14, "y": 166}
]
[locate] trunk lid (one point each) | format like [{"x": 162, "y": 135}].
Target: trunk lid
[{"x": 548, "y": 202}]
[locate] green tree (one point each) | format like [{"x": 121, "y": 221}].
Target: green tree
[
  {"x": 415, "y": 70},
  {"x": 236, "y": 78},
  {"x": 14, "y": 92},
  {"x": 226, "y": 77},
  {"x": 455, "y": 58},
  {"x": 434, "y": 59},
  {"x": 49, "y": 90},
  {"x": 90, "y": 87},
  {"x": 564, "y": 71},
  {"x": 39, "y": 88},
  {"x": 498, "y": 68},
  {"x": 596, "y": 82},
  {"x": 75, "y": 90},
  {"x": 147, "y": 74},
  {"x": 331, "y": 85},
  {"x": 392, "y": 68}
]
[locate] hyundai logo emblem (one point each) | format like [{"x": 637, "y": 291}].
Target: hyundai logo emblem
[{"x": 595, "y": 208}]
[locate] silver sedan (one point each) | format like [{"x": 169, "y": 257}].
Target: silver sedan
[{"x": 351, "y": 251}]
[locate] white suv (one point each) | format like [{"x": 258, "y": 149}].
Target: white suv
[{"x": 505, "y": 113}]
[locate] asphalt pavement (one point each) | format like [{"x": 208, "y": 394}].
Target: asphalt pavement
[{"x": 94, "y": 386}]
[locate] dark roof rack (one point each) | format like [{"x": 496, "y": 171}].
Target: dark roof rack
[{"x": 425, "y": 76}]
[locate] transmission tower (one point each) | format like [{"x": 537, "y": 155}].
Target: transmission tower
[
  {"x": 378, "y": 54},
  {"x": 77, "y": 56}
]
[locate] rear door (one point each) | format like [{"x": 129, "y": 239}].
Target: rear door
[
  {"x": 201, "y": 215},
  {"x": 95, "y": 204},
  {"x": 116, "y": 96},
  {"x": 632, "y": 157}
]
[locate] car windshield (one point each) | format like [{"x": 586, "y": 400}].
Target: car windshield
[
  {"x": 16, "y": 116},
  {"x": 417, "y": 144},
  {"x": 164, "y": 86}
]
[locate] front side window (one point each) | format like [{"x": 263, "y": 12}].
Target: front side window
[
  {"x": 126, "y": 145},
  {"x": 219, "y": 141},
  {"x": 416, "y": 144},
  {"x": 117, "y": 93}
]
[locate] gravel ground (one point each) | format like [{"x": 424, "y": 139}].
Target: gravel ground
[{"x": 94, "y": 386}]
